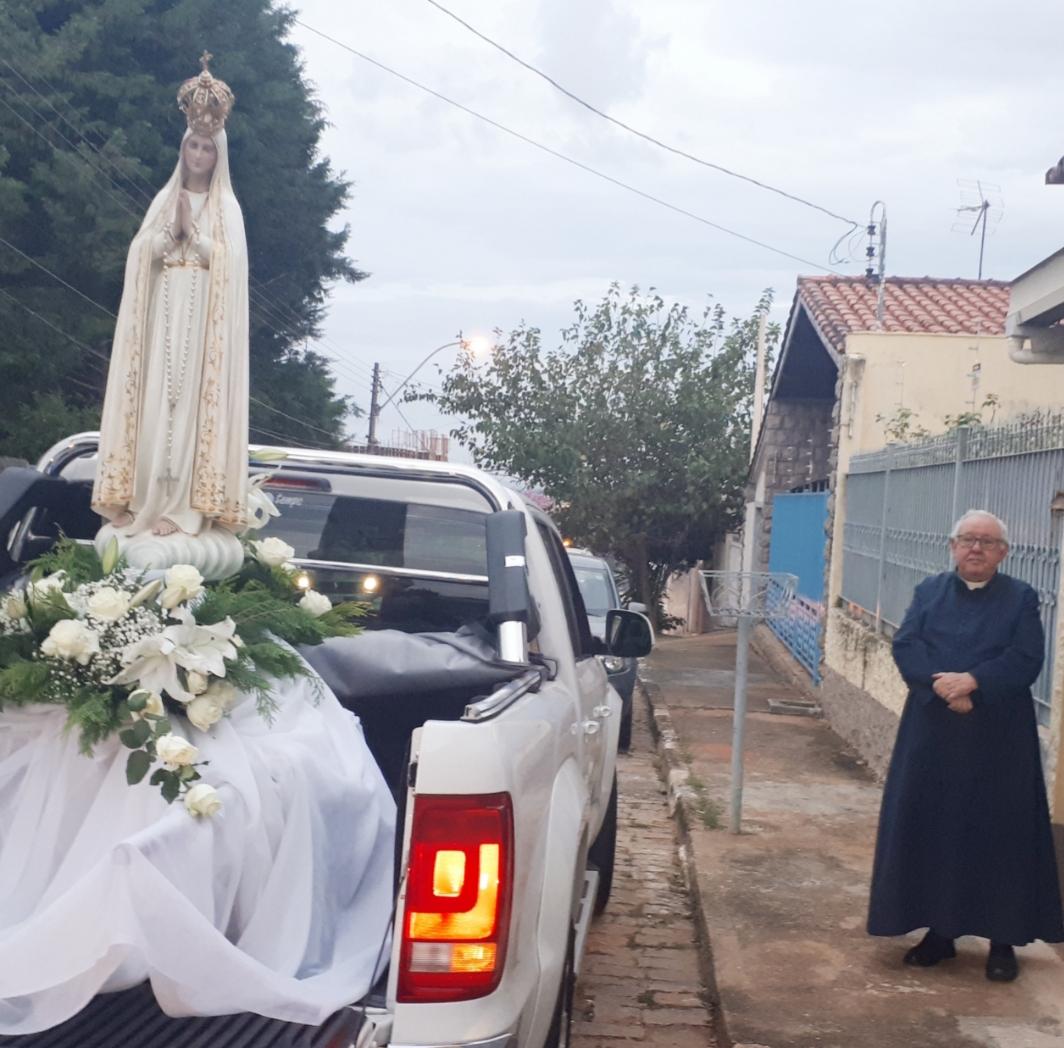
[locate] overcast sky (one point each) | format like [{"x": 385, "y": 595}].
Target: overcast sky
[{"x": 465, "y": 228}]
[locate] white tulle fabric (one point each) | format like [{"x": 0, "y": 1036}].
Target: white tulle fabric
[{"x": 278, "y": 904}]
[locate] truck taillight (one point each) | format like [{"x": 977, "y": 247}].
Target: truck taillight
[{"x": 459, "y": 884}]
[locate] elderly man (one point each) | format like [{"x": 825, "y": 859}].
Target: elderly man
[{"x": 964, "y": 845}]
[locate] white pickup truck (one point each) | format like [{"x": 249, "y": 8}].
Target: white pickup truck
[{"x": 483, "y": 699}]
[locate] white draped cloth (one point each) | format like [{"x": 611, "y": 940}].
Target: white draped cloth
[{"x": 278, "y": 904}]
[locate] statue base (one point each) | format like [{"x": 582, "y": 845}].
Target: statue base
[{"x": 216, "y": 552}]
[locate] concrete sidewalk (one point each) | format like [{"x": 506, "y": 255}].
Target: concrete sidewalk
[{"x": 783, "y": 904}]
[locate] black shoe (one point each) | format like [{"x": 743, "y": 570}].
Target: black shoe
[
  {"x": 1001, "y": 963},
  {"x": 932, "y": 949}
]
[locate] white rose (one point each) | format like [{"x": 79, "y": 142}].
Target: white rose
[
  {"x": 15, "y": 606},
  {"x": 153, "y": 704},
  {"x": 273, "y": 552},
  {"x": 203, "y": 711},
  {"x": 71, "y": 640},
  {"x": 223, "y": 693},
  {"x": 175, "y": 751},
  {"x": 197, "y": 682},
  {"x": 202, "y": 799},
  {"x": 315, "y": 604},
  {"x": 108, "y": 604},
  {"x": 49, "y": 584},
  {"x": 183, "y": 582}
]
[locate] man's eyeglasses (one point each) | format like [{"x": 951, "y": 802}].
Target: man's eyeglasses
[{"x": 971, "y": 541}]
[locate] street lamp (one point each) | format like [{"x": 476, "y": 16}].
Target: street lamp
[{"x": 475, "y": 345}]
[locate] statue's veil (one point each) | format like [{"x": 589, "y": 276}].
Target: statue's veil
[{"x": 219, "y": 481}]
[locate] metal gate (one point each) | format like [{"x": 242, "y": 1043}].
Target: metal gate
[{"x": 797, "y": 547}]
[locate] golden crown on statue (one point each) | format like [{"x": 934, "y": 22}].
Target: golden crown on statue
[{"x": 205, "y": 100}]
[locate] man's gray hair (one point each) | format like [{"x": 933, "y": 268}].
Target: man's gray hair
[{"x": 985, "y": 514}]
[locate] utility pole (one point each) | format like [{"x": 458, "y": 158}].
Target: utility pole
[
  {"x": 374, "y": 407},
  {"x": 759, "y": 386}
]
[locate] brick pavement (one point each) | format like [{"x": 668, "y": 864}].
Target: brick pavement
[{"x": 642, "y": 982}]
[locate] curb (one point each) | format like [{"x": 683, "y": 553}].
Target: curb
[{"x": 683, "y": 802}]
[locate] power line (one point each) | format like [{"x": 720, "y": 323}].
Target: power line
[
  {"x": 104, "y": 309},
  {"x": 104, "y": 357},
  {"x": 52, "y": 145},
  {"x": 398, "y": 409},
  {"x": 57, "y": 330},
  {"x": 635, "y": 131},
  {"x": 562, "y": 156},
  {"x": 45, "y": 269},
  {"x": 286, "y": 441},
  {"x": 148, "y": 194},
  {"x": 292, "y": 418}
]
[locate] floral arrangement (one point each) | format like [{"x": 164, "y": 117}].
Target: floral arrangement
[{"x": 130, "y": 656}]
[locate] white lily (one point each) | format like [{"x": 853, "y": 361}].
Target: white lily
[
  {"x": 150, "y": 662},
  {"x": 146, "y": 593},
  {"x": 203, "y": 649},
  {"x": 260, "y": 504}
]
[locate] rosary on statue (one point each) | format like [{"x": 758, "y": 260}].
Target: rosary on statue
[{"x": 175, "y": 385}]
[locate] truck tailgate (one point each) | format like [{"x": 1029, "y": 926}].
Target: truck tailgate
[{"x": 132, "y": 1018}]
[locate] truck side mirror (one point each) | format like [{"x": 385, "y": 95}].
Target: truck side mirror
[
  {"x": 509, "y": 603},
  {"x": 21, "y": 490},
  {"x": 628, "y": 633}
]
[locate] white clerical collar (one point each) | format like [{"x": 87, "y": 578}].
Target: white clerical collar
[{"x": 974, "y": 585}]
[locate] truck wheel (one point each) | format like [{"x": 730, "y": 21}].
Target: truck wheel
[
  {"x": 562, "y": 1021},
  {"x": 603, "y": 850}
]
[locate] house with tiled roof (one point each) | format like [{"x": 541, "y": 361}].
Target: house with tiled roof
[
  {"x": 1036, "y": 312},
  {"x": 862, "y": 364},
  {"x": 1035, "y": 326}
]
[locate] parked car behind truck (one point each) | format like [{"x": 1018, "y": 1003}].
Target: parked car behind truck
[
  {"x": 483, "y": 698},
  {"x": 598, "y": 587}
]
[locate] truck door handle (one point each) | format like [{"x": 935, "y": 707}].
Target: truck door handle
[
  {"x": 591, "y": 727},
  {"x": 602, "y": 711}
]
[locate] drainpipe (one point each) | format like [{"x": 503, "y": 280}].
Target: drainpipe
[{"x": 1035, "y": 345}]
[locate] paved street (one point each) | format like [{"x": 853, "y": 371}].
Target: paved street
[{"x": 641, "y": 983}]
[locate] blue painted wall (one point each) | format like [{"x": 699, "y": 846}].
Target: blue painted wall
[{"x": 798, "y": 540}]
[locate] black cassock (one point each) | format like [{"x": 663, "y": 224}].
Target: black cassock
[{"x": 965, "y": 844}]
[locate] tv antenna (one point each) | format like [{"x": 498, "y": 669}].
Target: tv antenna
[
  {"x": 876, "y": 257},
  {"x": 982, "y": 200}
]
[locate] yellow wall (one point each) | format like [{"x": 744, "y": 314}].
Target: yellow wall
[
  {"x": 864, "y": 659},
  {"x": 929, "y": 374}
]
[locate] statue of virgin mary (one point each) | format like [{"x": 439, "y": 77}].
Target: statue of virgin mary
[{"x": 174, "y": 433}]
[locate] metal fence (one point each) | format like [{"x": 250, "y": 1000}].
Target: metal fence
[
  {"x": 800, "y": 631},
  {"x": 901, "y": 503},
  {"x": 798, "y": 546}
]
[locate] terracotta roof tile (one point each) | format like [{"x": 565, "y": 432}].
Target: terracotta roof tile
[{"x": 839, "y": 305}]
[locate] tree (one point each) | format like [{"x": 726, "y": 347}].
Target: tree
[
  {"x": 89, "y": 131},
  {"x": 637, "y": 426}
]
